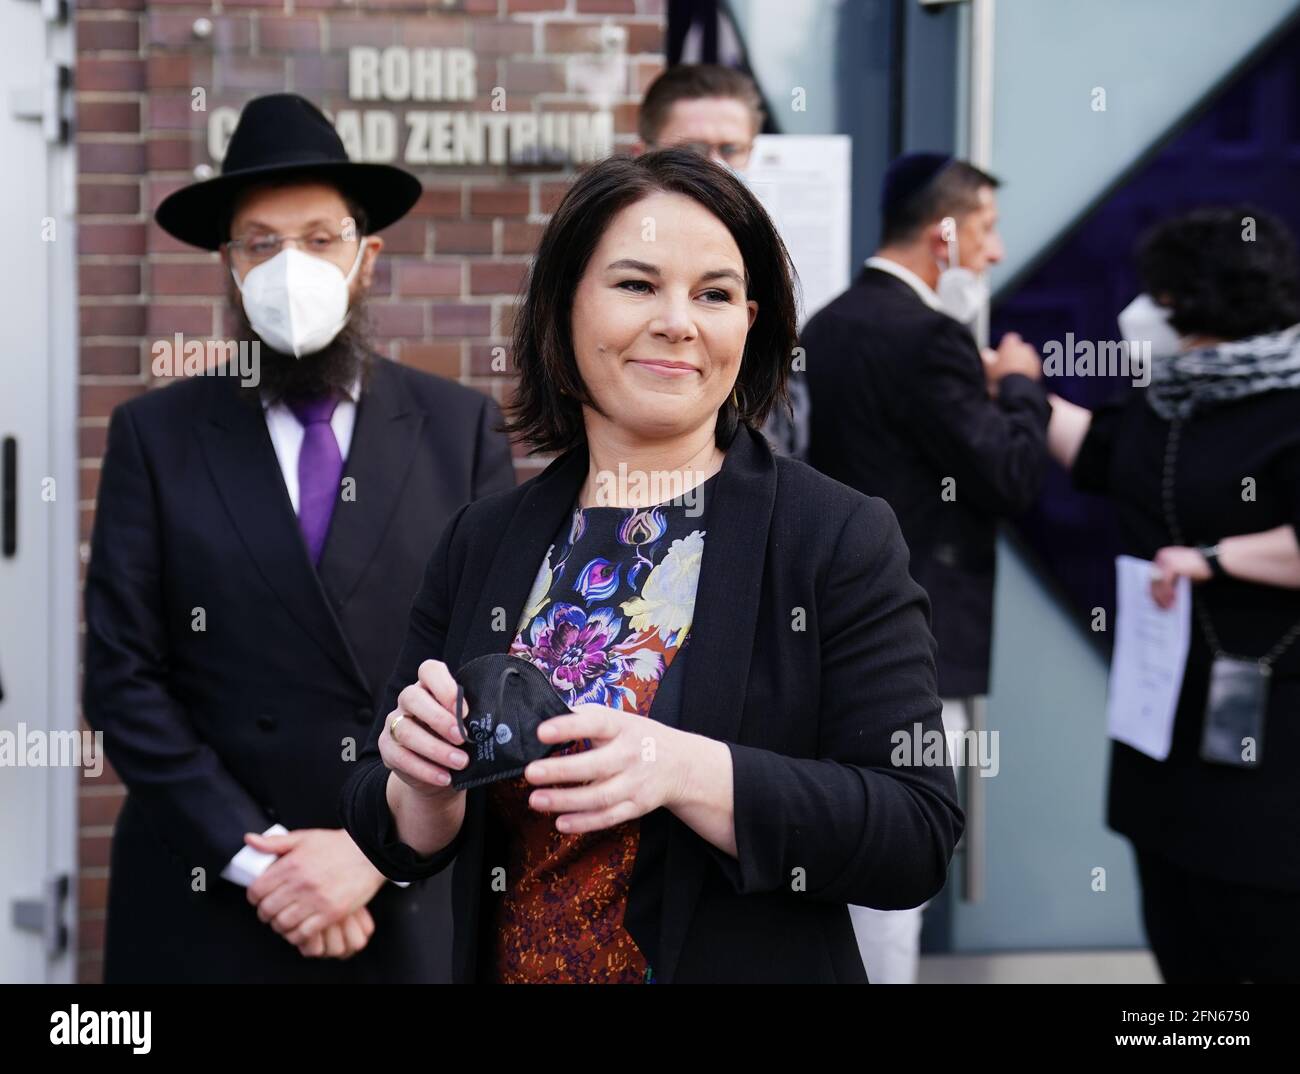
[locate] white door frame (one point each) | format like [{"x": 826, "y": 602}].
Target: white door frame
[{"x": 38, "y": 409}]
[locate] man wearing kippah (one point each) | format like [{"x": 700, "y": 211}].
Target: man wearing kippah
[
  {"x": 259, "y": 536},
  {"x": 905, "y": 407}
]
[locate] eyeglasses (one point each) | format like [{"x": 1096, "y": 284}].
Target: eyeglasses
[
  {"x": 733, "y": 153},
  {"x": 254, "y": 249}
]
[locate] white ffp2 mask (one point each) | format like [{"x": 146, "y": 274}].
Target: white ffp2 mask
[
  {"x": 296, "y": 302},
  {"x": 962, "y": 293},
  {"x": 1145, "y": 321}
]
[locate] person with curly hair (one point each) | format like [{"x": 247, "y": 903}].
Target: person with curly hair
[{"x": 1204, "y": 467}]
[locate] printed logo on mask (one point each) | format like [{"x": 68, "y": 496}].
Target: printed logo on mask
[{"x": 484, "y": 735}]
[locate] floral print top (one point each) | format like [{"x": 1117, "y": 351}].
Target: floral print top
[{"x": 611, "y": 606}]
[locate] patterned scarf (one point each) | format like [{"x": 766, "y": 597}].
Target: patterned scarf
[{"x": 1207, "y": 376}]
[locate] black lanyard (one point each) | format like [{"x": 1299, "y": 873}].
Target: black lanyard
[{"x": 1202, "y": 613}]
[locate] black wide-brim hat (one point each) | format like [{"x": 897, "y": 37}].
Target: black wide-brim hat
[{"x": 284, "y": 136}]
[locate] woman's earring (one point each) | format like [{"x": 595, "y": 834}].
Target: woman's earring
[{"x": 735, "y": 401}]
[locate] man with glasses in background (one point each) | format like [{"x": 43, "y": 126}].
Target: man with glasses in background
[
  {"x": 715, "y": 110},
  {"x": 255, "y": 552},
  {"x": 718, "y": 112}
]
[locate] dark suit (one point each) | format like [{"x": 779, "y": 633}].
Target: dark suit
[
  {"x": 807, "y": 714},
  {"x": 247, "y": 722},
  {"x": 899, "y": 404}
]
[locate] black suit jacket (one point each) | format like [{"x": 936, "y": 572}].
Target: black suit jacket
[
  {"x": 899, "y": 404},
  {"x": 229, "y": 677},
  {"x": 808, "y": 715}
]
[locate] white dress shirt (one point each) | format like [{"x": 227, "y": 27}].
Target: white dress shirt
[
  {"x": 287, "y": 436},
  {"x": 248, "y": 864},
  {"x": 923, "y": 289}
]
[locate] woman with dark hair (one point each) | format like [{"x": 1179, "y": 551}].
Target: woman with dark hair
[
  {"x": 1204, "y": 467},
  {"x": 740, "y": 670}
]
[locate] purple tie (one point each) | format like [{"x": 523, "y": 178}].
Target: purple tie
[{"x": 320, "y": 468}]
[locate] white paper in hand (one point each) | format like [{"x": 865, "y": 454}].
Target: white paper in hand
[{"x": 1146, "y": 671}]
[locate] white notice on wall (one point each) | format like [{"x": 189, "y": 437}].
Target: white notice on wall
[
  {"x": 803, "y": 182},
  {"x": 1146, "y": 671}
]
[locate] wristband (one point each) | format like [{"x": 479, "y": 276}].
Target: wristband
[{"x": 1211, "y": 554}]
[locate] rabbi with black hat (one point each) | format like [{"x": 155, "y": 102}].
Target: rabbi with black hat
[
  {"x": 254, "y": 555},
  {"x": 905, "y": 407}
]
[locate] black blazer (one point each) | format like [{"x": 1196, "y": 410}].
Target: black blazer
[
  {"x": 899, "y": 403},
  {"x": 823, "y": 818},
  {"x": 229, "y": 677}
]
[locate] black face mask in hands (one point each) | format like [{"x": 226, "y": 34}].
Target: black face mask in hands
[{"x": 500, "y": 701}]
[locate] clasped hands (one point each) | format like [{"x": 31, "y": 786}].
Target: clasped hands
[{"x": 315, "y": 893}]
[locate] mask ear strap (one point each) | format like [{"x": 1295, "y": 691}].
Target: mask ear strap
[
  {"x": 347, "y": 280},
  {"x": 361, "y": 249},
  {"x": 460, "y": 719},
  {"x": 501, "y": 690},
  {"x": 948, "y": 232},
  {"x": 509, "y": 673}
]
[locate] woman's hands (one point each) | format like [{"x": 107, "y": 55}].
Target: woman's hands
[
  {"x": 635, "y": 766},
  {"x": 427, "y": 811},
  {"x": 423, "y": 753},
  {"x": 1174, "y": 562},
  {"x": 1269, "y": 557}
]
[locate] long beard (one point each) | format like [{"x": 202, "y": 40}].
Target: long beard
[{"x": 334, "y": 368}]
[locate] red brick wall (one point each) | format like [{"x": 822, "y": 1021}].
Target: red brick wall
[{"x": 444, "y": 295}]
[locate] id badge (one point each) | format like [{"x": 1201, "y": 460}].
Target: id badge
[{"x": 1234, "y": 712}]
